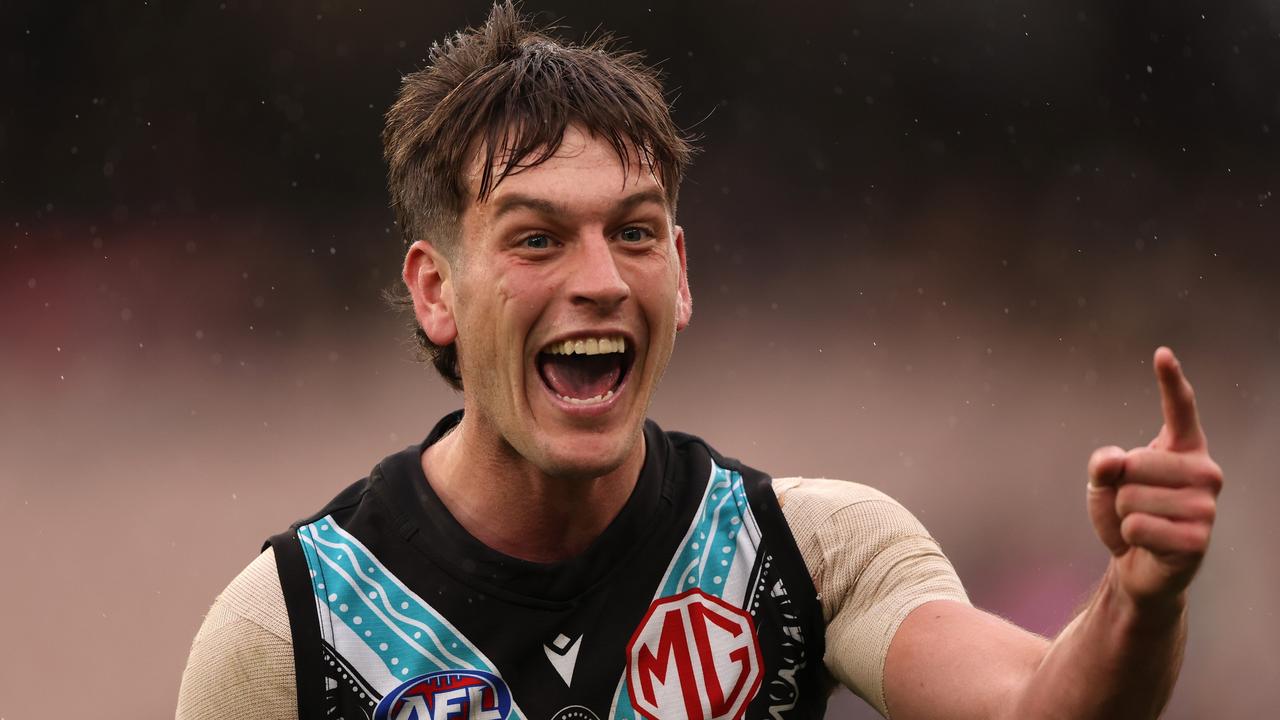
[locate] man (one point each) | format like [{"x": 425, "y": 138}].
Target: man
[{"x": 548, "y": 553}]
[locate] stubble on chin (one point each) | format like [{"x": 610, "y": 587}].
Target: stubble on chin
[{"x": 572, "y": 467}]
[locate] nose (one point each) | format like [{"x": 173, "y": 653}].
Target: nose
[{"x": 595, "y": 279}]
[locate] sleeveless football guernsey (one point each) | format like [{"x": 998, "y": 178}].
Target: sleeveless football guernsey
[{"x": 693, "y": 604}]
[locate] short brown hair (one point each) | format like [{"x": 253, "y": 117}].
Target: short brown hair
[{"x": 509, "y": 90}]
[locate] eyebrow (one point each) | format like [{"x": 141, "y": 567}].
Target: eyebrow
[{"x": 515, "y": 201}]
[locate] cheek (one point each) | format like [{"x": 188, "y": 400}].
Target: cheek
[
  {"x": 510, "y": 296},
  {"x": 657, "y": 286},
  {"x": 517, "y": 300},
  {"x": 507, "y": 290}
]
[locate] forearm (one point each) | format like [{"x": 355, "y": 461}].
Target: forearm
[{"x": 1115, "y": 660}]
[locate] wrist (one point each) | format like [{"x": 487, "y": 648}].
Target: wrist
[{"x": 1140, "y": 615}]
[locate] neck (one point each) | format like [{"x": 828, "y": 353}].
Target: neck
[{"x": 511, "y": 506}]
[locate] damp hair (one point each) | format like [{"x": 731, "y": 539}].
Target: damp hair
[{"x": 502, "y": 95}]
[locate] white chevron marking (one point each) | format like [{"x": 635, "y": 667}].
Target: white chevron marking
[{"x": 563, "y": 654}]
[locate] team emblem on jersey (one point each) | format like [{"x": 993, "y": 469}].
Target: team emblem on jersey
[
  {"x": 694, "y": 656},
  {"x": 575, "y": 712},
  {"x": 447, "y": 695}
]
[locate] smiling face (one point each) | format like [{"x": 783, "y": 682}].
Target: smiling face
[{"x": 564, "y": 296}]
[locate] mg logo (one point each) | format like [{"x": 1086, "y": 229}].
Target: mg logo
[
  {"x": 447, "y": 695},
  {"x": 694, "y": 657}
]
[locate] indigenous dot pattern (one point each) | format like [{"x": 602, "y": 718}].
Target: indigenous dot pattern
[
  {"x": 345, "y": 688},
  {"x": 383, "y": 630}
]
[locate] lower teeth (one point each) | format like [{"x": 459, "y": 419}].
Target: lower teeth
[{"x": 587, "y": 401}]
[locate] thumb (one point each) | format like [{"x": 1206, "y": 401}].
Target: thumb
[{"x": 1106, "y": 468}]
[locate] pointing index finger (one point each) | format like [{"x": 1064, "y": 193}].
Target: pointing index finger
[{"x": 1178, "y": 401}]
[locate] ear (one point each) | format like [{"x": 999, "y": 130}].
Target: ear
[
  {"x": 684, "y": 307},
  {"x": 427, "y": 275}
]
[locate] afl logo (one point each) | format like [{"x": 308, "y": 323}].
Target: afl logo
[
  {"x": 694, "y": 656},
  {"x": 447, "y": 695}
]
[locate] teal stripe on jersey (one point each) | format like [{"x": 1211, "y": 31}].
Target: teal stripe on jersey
[
  {"x": 370, "y": 617},
  {"x": 711, "y": 545}
]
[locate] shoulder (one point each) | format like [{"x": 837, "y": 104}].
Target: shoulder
[
  {"x": 255, "y": 595},
  {"x": 241, "y": 661},
  {"x": 826, "y": 492},
  {"x": 824, "y": 509},
  {"x": 846, "y": 531}
]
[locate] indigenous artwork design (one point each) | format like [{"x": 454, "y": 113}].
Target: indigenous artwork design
[
  {"x": 719, "y": 640},
  {"x": 383, "y": 632}
]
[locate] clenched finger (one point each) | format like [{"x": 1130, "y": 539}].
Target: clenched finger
[
  {"x": 1185, "y": 503},
  {"x": 1164, "y": 536},
  {"x": 1148, "y": 466}
]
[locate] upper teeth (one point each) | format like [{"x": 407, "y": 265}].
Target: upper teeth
[{"x": 588, "y": 346}]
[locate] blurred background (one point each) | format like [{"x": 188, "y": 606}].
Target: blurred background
[{"x": 932, "y": 247}]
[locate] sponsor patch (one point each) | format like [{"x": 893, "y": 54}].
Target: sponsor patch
[
  {"x": 447, "y": 695},
  {"x": 693, "y": 656}
]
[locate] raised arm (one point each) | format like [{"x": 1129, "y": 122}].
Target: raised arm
[{"x": 1153, "y": 508}]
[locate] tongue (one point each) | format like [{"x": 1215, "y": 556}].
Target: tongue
[{"x": 581, "y": 376}]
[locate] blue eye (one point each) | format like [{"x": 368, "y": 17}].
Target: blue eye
[
  {"x": 537, "y": 242},
  {"x": 634, "y": 234}
]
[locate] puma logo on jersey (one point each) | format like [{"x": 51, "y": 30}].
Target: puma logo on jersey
[{"x": 563, "y": 654}]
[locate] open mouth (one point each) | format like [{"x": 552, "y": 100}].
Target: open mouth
[{"x": 587, "y": 370}]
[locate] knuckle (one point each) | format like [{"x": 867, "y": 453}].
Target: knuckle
[
  {"x": 1132, "y": 528},
  {"x": 1209, "y": 474},
  {"x": 1210, "y": 512},
  {"x": 1198, "y": 538}
]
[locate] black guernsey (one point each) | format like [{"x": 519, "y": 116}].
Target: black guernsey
[{"x": 693, "y": 604}]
